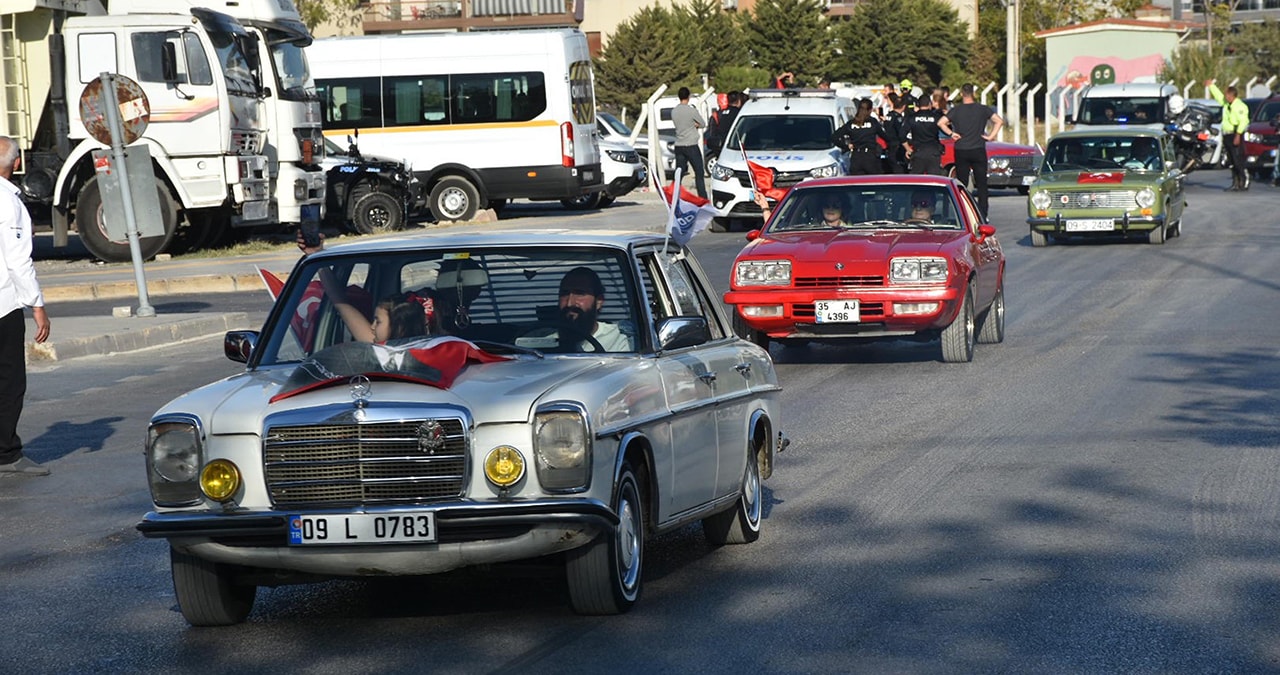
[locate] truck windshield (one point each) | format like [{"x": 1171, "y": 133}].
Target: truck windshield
[
  {"x": 233, "y": 62},
  {"x": 293, "y": 75}
]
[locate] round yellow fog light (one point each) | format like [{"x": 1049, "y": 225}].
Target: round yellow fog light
[
  {"x": 503, "y": 466},
  {"x": 220, "y": 479}
]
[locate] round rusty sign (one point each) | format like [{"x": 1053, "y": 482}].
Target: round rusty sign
[{"x": 131, "y": 101}]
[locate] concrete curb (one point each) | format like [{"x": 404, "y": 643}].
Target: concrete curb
[
  {"x": 129, "y": 334},
  {"x": 111, "y": 290}
]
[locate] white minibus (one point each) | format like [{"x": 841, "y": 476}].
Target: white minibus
[{"x": 480, "y": 117}]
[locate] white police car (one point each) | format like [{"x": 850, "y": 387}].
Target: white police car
[{"x": 787, "y": 130}]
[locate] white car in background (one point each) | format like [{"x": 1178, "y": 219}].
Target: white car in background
[
  {"x": 613, "y": 128},
  {"x": 623, "y": 172}
]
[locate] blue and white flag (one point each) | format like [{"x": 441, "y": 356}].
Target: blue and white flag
[{"x": 690, "y": 214}]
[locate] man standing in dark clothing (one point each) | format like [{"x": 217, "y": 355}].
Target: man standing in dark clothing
[
  {"x": 720, "y": 129},
  {"x": 966, "y": 124},
  {"x": 895, "y": 131},
  {"x": 688, "y": 121},
  {"x": 924, "y": 149},
  {"x": 859, "y": 136}
]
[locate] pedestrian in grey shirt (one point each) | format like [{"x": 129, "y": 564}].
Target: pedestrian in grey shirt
[{"x": 688, "y": 122}]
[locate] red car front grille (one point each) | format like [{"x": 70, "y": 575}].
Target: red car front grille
[
  {"x": 867, "y": 311},
  {"x": 838, "y": 282}
]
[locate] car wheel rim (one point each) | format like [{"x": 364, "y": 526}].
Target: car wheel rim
[
  {"x": 628, "y": 543},
  {"x": 970, "y": 326},
  {"x": 453, "y": 201},
  {"x": 751, "y": 495},
  {"x": 379, "y": 217}
]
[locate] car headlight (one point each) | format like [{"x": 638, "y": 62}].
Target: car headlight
[
  {"x": 999, "y": 163},
  {"x": 1145, "y": 197},
  {"x": 504, "y": 466},
  {"x": 1040, "y": 200},
  {"x": 174, "y": 454},
  {"x": 562, "y": 448},
  {"x": 918, "y": 269},
  {"x": 1250, "y": 137},
  {"x": 825, "y": 171},
  {"x": 721, "y": 172},
  {"x": 617, "y": 155},
  {"x": 762, "y": 273}
]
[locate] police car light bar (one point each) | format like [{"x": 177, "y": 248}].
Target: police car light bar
[{"x": 792, "y": 93}]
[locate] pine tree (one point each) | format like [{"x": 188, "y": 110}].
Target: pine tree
[
  {"x": 648, "y": 50},
  {"x": 888, "y": 40},
  {"x": 791, "y": 35}
]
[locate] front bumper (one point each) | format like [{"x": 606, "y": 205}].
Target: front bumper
[
  {"x": 877, "y": 317},
  {"x": 468, "y": 533},
  {"x": 624, "y": 184},
  {"x": 1122, "y": 224}
]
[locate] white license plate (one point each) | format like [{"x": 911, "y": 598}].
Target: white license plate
[
  {"x": 1027, "y": 180},
  {"x": 362, "y": 528},
  {"x": 1091, "y": 225},
  {"x": 835, "y": 311}
]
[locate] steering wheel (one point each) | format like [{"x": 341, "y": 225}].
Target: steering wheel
[{"x": 571, "y": 330}]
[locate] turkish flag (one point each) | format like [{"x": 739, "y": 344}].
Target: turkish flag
[
  {"x": 763, "y": 178},
  {"x": 1101, "y": 177},
  {"x": 450, "y": 355}
]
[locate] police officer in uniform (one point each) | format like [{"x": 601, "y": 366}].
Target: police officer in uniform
[
  {"x": 924, "y": 149},
  {"x": 895, "y": 128},
  {"x": 859, "y": 135}
]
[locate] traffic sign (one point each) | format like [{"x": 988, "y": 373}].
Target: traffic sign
[{"x": 135, "y": 110}]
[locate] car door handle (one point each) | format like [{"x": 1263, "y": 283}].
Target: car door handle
[
  {"x": 708, "y": 377},
  {"x": 744, "y": 368}
]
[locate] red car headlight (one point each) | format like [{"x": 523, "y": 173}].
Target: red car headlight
[{"x": 927, "y": 269}]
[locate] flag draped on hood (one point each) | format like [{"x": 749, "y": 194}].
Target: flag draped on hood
[{"x": 691, "y": 214}]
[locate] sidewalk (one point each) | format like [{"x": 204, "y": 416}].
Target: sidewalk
[{"x": 78, "y": 279}]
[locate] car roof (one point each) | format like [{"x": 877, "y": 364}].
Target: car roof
[
  {"x": 914, "y": 180},
  {"x": 1109, "y": 130},
  {"x": 495, "y": 238},
  {"x": 1131, "y": 89},
  {"x": 794, "y": 102}
]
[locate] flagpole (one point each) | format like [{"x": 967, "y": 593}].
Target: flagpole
[
  {"x": 751, "y": 176},
  {"x": 671, "y": 208}
]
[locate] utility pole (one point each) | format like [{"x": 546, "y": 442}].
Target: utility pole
[{"x": 1011, "y": 61}]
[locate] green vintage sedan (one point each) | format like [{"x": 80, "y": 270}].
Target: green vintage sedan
[{"x": 1107, "y": 181}]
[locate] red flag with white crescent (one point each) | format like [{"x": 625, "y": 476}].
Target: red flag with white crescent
[{"x": 1101, "y": 177}]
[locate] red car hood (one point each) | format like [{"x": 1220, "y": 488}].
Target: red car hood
[{"x": 849, "y": 245}]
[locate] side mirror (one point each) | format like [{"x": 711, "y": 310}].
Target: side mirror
[
  {"x": 679, "y": 332},
  {"x": 985, "y": 230},
  {"x": 753, "y": 235},
  {"x": 238, "y": 345}
]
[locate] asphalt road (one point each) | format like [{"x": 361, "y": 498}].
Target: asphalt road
[{"x": 1096, "y": 494}]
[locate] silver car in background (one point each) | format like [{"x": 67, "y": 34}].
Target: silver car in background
[{"x": 513, "y": 429}]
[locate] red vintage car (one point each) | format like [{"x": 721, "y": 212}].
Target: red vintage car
[
  {"x": 872, "y": 257},
  {"x": 1009, "y": 165}
]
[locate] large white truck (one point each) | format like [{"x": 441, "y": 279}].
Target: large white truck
[
  {"x": 207, "y": 132},
  {"x": 295, "y": 146}
]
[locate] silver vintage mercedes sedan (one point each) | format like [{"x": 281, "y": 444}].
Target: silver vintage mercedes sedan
[{"x": 423, "y": 404}]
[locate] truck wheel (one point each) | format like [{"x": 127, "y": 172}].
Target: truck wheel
[
  {"x": 207, "y": 594},
  {"x": 376, "y": 212},
  {"x": 93, "y": 231},
  {"x": 583, "y": 202},
  {"x": 454, "y": 198}
]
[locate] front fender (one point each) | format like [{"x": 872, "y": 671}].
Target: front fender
[{"x": 78, "y": 169}]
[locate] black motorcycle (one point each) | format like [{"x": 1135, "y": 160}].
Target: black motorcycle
[
  {"x": 366, "y": 194},
  {"x": 1192, "y": 135}
]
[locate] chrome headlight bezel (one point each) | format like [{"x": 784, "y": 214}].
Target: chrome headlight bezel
[
  {"x": 174, "y": 457},
  {"x": 562, "y": 447},
  {"x": 999, "y": 163},
  {"x": 919, "y": 270},
  {"x": 1146, "y": 198},
  {"x": 1040, "y": 199},
  {"x": 762, "y": 273},
  {"x": 721, "y": 172}
]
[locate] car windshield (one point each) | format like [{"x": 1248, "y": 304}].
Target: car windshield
[
  {"x": 1140, "y": 153},
  {"x": 614, "y": 124},
  {"x": 1268, "y": 112},
  {"x": 867, "y": 207},
  {"x": 504, "y": 299},
  {"x": 1103, "y": 110},
  {"x": 783, "y": 132}
]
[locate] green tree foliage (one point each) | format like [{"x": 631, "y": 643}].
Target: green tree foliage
[
  {"x": 741, "y": 78},
  {"x": 316, "y": 12},
  {"x": 650, "y": 49},
  {"x": 715, "y": 30},
  {"x": 790, "y": 35},
  {"x": 887, "y": 40},
  {"x": 1254, "y": 50}
]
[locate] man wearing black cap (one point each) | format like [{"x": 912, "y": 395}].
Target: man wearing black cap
[{"x": 581, "y": 297}]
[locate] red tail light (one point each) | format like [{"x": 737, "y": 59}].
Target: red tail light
[
  {"x": 566, "y": 144},
  {"x": 308, "y": 151}
]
